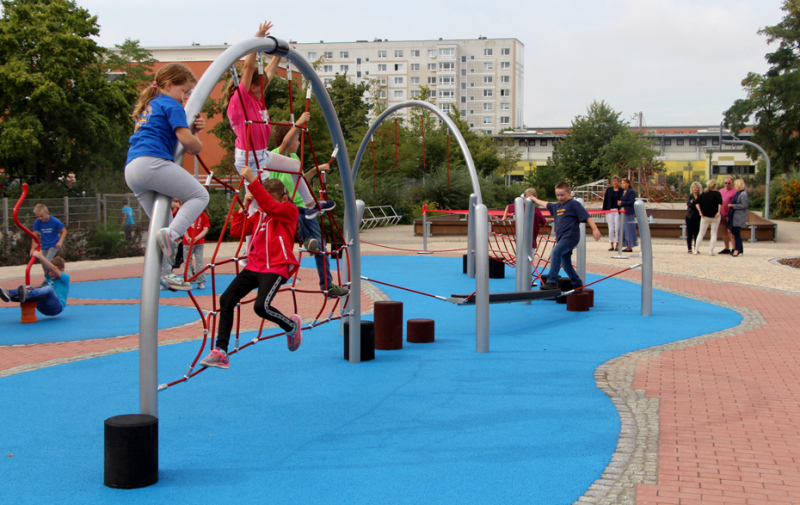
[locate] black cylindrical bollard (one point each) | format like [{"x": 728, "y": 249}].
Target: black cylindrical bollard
[
  {"x": 367, "y": 340},
  {"x": 131, "y": 451}
]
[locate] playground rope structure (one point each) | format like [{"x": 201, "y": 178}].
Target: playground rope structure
[{"x": 329, "y": 227}]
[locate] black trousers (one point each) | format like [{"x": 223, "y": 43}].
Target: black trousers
[
  {"x": 246, "y": 281},
  {"x": 692, "y": 229}
]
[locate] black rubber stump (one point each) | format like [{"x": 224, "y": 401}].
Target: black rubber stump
[
  {"x": 497, "y": 269},
  {"x": 367, "y": 340},
  {"x": 131, "y": 451}
]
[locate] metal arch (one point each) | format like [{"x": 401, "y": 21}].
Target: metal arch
[
  {"x": 462, "y": 144},
  {"x": 148, "y": 321}
]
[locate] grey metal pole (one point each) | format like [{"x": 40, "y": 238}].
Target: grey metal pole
[
  {"x": 424, "y": 231},
  {"x": 519, "y": 217},
  {"x": 647, "y": 257},
  {"x": 580, "y": 256},
  {"x": 473, "y": 201},
  {"x": 148, "y": 312},
  {"x": 66, "y": 211},
  {"x": 482, "y": 279},
  {"x": 527, "y": 247},
  {"x": 353, "y": 336}
]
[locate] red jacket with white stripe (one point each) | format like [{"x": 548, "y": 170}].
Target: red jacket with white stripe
[{"x": 273, "y": 226}]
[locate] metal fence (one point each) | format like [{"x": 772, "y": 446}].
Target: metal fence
[{"x": 74, "y": 212}]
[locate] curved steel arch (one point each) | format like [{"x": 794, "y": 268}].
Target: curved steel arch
[
  {"x": 462, "y": 144},
  {"x": 480, "y": 225},
  {"x": 148, "y": 319}
]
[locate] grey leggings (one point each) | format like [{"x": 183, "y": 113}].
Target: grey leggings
[{"x": 147, "y": 176}]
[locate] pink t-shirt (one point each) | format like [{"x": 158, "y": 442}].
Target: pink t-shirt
[
  {"x": 727, "y": 198},
  {"x": 259, "y": 132}
]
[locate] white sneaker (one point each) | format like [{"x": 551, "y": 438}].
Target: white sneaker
[
  {"x": 172, "y": 281},
  {"x": 201, "y": 286}
]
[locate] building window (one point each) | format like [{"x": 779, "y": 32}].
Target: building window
[
  {"x": 447, "y": 51},
  {"x": 382, "y": 93},
  {"x": 463, "y": 59},
  {"x": 414, "y": 93},
  {"x": 398, "y": 54},
  {"x": 523, "y": 143},
  {"x": 415, "y": 53},
  {"x": 505, "y": 106},
  {"x": 667, "y": 142},
  {"x": 487, "y": 120},
  {"x": 398, "y": 93},
  {"x": 543, "y": 143},
  {"x": 432, "y": 93},
  {"x": 505, "y": 120},
  {"x": 703, "y": 142},
  {"x": 415, "y": 80},
  {"x": 488, "y": 92},
  {"x": 488, "y": 65},
  {"x": 463, "y": 113},
  {"x": 488, "y": 106},
  {"x": 447, "y": 80},
  {"x": 327, "y": 68},
  {"x": 344, "y": 68},
  {"x": 312, "y": 55},
  {"x": 487, "y": 79},
  {"x": 431, "y": 80},
  {"x": 344, "y": 54},
  {"x": 714, "y": 142},
  {"x": 414, "y": 67},
  {"x": 692, "y": 142},
  {"x": 381, "y": 67},
  {"x": 505, "y": 51},
  {"x": 431, "y": 66},
  {"x": 381, "y": 54},
  {"x": 488, "y": 132},
  {"x": 679, "y": 142},
  {"x": 398, "y": 80},
  {"x": 505, "y": 92},
  {"x": 358, "y": 73},
  {"x": 328, "y": 55},
  {"x": 505, "y": 78},
  {"x": 446, "y": 107},
  {"x": 463, "y": 99},
  {"x": 447, "y": 66},
  {"x": 447, "y": 93},
  {"x": 431, "y": 53},
  {"x": 398, "y": 67},
  {"x": 382, "y": 81},
  {"x": 472, "y": 99},
  {"x": 463, "y": 72},
  {"x": 463, "y": 85},
  {"x": 487, "y": 52},
  {"x": 505, "y": 65}
]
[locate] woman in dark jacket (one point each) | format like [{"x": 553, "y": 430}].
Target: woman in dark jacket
[
  {"x": 737, "y": 215},
  {"x": 626, "y": 203},
  {"x": 692, "y": 216},
  {"x": 611, "y": 202}
]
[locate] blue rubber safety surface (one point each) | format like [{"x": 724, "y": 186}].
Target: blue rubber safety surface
[
  {"x": 131, "y": 289},
  {"x": 431, "y": 423},
  {"x": 85, "y": 322}
]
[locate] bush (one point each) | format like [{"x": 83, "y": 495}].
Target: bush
[{"x": 788, "y": 200}]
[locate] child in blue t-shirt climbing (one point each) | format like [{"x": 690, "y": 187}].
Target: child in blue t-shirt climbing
[
  {"x": 567, "y": 217},
  {"x": 51, "y": 297},
  {"x": 150, "y": 169}
]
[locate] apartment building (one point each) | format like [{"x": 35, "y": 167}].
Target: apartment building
[
  {"x": 482, "y": 78},
  {"x": 690, "y": 152}
]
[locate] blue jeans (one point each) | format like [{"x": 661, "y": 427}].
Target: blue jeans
[
  {"x": 46, "y": 300},
  {"x": 309, "y": 228},
  {"x": 561, "y": 257}
]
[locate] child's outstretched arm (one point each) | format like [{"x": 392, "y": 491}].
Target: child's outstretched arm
[
  {"x": 51, "y": 269},
  {"x": 595, "y": 232},
  {"x": 541, "y": 203},
  {"x": 250, "y": 60}
]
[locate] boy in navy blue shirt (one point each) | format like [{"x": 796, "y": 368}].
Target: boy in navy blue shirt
[{"x": 567, "y": 217}]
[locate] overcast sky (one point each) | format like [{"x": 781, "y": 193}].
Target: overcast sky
[{"x": 679, "y": 62}]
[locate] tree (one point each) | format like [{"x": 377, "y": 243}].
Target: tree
[
  {"x": 58, "y": 111},
  {"x": 576, "y": 157},
  {"x": 773, "y": 99},
  {"x": 628, "y": 149}
]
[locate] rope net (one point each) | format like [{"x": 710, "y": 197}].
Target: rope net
[{"x": 331, "y": 233}]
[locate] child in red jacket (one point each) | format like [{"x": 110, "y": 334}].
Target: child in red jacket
[{"x": 270, "y": 262}]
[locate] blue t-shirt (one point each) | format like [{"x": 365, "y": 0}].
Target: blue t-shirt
[
  {"x": 128, "y": 215},
  {"x": 154, "y": 134},
  {"x": 60, "y": 286},
  {"x": 49, "y": 231},
  {"x": 567, "y": 218}
]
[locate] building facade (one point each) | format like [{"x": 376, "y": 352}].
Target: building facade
[{"x": 690, "y": 153}]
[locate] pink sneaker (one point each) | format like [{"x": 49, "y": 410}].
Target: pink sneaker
[
  {"x": 295, "y": 339},
  {"x": 217, "y": 358}
]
